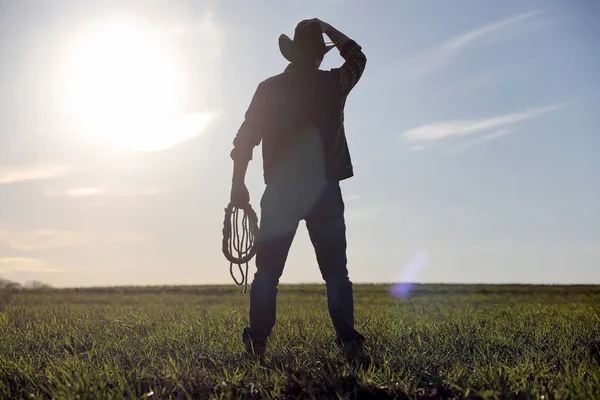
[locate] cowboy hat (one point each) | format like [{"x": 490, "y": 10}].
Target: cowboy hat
[{"x": 308, "y": 43}]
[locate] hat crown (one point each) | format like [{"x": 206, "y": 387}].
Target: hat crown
[
  {"x": 308, "y": 43},
  {"x": 308, "y": 34}
]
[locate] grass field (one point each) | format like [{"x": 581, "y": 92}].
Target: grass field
[{"x": 444, "y": 341}]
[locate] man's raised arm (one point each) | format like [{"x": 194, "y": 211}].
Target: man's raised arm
[{"x": 352, "y": 69}]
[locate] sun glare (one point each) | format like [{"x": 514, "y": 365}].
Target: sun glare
[{"x": 124, "y": 85}]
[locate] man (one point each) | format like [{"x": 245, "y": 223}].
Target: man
[{"x": 299, "y": 115}]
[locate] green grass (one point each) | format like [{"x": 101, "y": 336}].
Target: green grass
[{"x": 445, "y": 341}]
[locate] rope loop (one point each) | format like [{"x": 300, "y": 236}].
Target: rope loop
[{"x": 240, "y": 229}]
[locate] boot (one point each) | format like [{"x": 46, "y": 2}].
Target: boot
[
  {"x": 255, "y": 348},
  {"x": 354, "y": 350}
]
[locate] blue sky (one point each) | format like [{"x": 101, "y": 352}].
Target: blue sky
[{"x": 474, "y": 134}]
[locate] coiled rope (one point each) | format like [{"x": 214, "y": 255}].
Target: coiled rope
[{"x": 239, "y": 240}]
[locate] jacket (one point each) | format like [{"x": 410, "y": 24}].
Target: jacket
[{"x": 299, "y": 117}]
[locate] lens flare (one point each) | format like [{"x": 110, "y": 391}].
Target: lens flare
[{"x": 416, "y": 265}]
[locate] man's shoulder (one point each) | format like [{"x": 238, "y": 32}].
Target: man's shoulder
[
  {"x": 295, "y": 75},
  {"x": 270, "y": 82},
  {"x": 273, "y": 79}
]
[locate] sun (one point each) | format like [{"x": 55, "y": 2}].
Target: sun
[{"x": 124, "y": 85}]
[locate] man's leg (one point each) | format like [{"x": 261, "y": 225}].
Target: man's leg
[
  {"x": 278, "y": 226},
  {"x": 327, "y": 230}
]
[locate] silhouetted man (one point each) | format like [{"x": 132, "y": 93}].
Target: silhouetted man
[{"x": 299, "y": 117}]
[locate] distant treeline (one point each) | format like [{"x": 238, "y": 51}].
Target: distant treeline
[{"x": 6, "y": 284}]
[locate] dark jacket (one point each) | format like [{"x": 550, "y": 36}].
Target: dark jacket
[{"x": 299, "y": 116}]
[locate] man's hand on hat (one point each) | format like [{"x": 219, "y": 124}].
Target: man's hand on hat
[{"x": 324, "y": 25}]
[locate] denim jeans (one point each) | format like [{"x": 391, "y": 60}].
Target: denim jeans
[{"x": 283, "y": 206}]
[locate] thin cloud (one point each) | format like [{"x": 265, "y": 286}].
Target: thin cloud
[
  {"x": 161, "y": 133},
  {"x": 127, "y": 238},
  {"x": 446, "y": 129},
  {"x": 41, "y": 239},
  {"x": 22, "y": 264},
  {"x": 85, "y": 191},
  {"x": 92, "y": 191},
  {"x": 491, "y": 136},
  {"x": 439, "y": 56},
  {"x": 418, "y": 148},
  {"x": 10, "y": 174},
  {"x": 48, "y": 239}
]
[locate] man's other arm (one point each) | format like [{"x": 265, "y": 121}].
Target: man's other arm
[
  {"x": 248, "y": 136},
  {"x": 355, "y": 60}
]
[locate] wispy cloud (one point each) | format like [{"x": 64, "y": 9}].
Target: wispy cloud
[
  {"x": 40, "y": 239},
  {"x": 12, "y": 174},
  {"x": 486, "y": 138},
  {"x": 159, "y": 133},
  {"x": 439, "y": 56},
  {"x": 85, "y": 191},
  {"x": 125, "y": 238},
  {"x": 22, "y": 264},
  {"x": 91, "y": 191},
  {"x": 446, "y": 129},
  {"x": 47, "y": 239}
]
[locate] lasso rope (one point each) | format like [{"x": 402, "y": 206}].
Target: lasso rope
[{"x": 239, "y": 246}]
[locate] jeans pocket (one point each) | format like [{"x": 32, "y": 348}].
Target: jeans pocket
[{"x": 332, "y": 204}]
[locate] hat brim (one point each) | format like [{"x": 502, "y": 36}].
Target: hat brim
[{"x": 286, "y": 47}]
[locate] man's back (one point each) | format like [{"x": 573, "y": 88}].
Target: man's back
[
  {"x": 302, "y": 124},
  {"x": 299, "y": 116}
]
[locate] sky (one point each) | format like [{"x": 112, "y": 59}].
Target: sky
[{"x": 474, "y": 133}]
